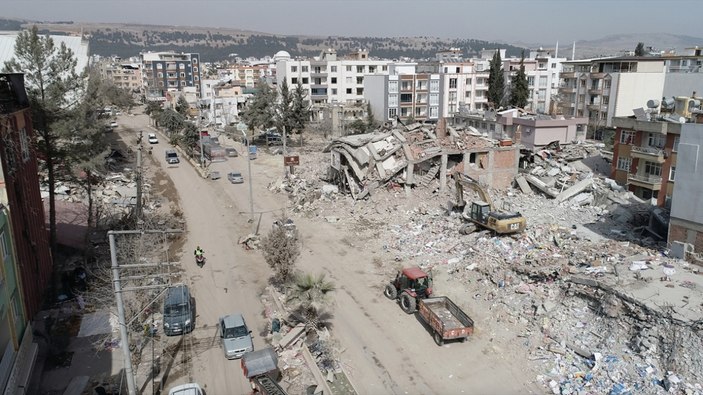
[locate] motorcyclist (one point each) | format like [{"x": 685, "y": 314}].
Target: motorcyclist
[{"x": 198, "y": 252}]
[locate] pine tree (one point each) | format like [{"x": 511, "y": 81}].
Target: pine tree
[
  {"x": 259, "y": 111},
  {"x": 284, "y": 109},
  {"x": 301, "y": 111},
  {"x": 639, "y": 49},
  {"x": 54, "y": 88},
  {"x": 520, "y": 91},
  {"x": 496, "y": 81},
  {"x": 182, "y": 106},
  {"x": 371, "y": 123}
]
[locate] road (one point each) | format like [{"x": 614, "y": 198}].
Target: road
[{"x": 384, "y": 350}]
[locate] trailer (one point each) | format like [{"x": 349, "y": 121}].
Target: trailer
[
  {"x": 447, "y": 320},
  {"x": 261, "y": 368}
]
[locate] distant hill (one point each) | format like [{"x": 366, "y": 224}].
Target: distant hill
[
  {"x": 616, "y": 44},
  {"x": 215, "y": 44}
]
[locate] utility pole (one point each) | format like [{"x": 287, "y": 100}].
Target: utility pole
[
  {"x": 251, "y": 194},
  {"x": 285, "y": 152},
  {"x": 139, "y": 175},
  {"x": 117, "y": 284}
]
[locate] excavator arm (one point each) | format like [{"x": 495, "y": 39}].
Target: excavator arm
[{"x": 462, "y": 181}]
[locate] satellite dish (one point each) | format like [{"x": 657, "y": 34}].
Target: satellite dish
[{"x": 653, "y": 103}]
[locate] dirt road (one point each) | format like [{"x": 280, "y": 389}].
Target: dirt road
[{"x": 384, "y": 350}]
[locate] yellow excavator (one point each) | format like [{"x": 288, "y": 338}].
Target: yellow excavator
[{"x": 481, "y": 213}]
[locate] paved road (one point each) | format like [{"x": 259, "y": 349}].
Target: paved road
[{"x": 384, "y": 350}]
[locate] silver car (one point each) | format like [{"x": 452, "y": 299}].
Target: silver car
[
  {"x": 236, "y": 337},
  {"x": 235, "y": 177}
]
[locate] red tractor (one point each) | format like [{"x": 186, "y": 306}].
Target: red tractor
[{"x": 409, "y": 285}]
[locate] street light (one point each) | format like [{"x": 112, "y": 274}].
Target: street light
[{"x": 251, "y": 194}]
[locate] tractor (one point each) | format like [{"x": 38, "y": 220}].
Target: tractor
[{"x": 410, "y": 285}]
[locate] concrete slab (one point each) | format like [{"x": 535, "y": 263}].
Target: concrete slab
[
  {"x": 524, "y": 186},
  {"x": 574, "y": 189}
]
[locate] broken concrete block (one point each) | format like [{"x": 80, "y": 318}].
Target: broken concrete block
[
  {"x": 524, "y": 186},
  {"x": 329, "y": 189},
  {"x": 553, "y": 171},
  {"x": 574, "y": 190}
]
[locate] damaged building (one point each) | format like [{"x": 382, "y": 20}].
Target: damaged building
[{"x": 418, "y": 155}]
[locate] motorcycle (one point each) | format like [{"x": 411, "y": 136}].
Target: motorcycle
[{"x": 200, "y": 260}]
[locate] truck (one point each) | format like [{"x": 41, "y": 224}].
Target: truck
[
  {"x": 482, "y": 213},
  {"x": 413, "y": 288},
  {"x": 213, "y": 152}
]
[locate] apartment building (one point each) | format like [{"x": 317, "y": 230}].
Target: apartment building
[
  {"x": 542, "y": 70},
  {"x": 127, "y": 76},
  {"x": 686, "y": 219},
  {"x": 221, "y": 101},
  {"x": 169, "y": 71},
  {"x": 329, "y": 78},
  {"x": 247, "y": 76},
  {"x": 404, "y": 93},
  {"x": 463, "y": 85},
  {"x": 601, "y": 89}
]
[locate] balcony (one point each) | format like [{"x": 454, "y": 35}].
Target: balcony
[
  {"x": 567, "y": 88},
  {"x": 651, "y": 154},
  {"x": 567, "y": 74},
  {"x": 595, "y": 91},
  {"x": 597, "y": 76},
  {"x": 598, "y": 107},
  {"x": 645, "y": 181}
]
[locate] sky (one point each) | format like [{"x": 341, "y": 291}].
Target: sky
[{"x": 512, "y": 21}]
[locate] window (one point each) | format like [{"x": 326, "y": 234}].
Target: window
[
  {"x": 24, "y": 144},
  {"x": 653, "y": 169},
  {"x": 183, "y": 83},
  {"x": 467, "y": 94},
  {"x": 317, "y": 81},
  {"x": 294, "y": 81},
  {"x": 624, "y": 164},
  {"x": 452, "y": 97},
  {"x": 542, "y": 65},
  {"x": 317, "y": 69},
  {"x": 333, "y": 69},
  {"x": 304, "y": 69},
  {"x": 452, "y": 83},
  {"x": 406, "y": 98},
  {"x": 372, "y": 69},
  {"x": 195, "y": 69},
  {"x": 543, "y": 81},
  {"x": 434, "y": 112},
  {"x": 392, "y": 86},
  {"x": 359, "y": 80},
  {"x": 294, "y": 69},
  {"x": 554, "y": 65},
  {"x": 349, "y": 91},
  {"x": 672, "y": 173},
  {"x": 160, "y": 75},
  {"x": 434, "y": 99},
  {"x": 306, "y": 80},
  {"x": 393, "y": 100},
  {"x": 349, "y": 68},
  {"x": 421, "y": 85},
  {"x": 333, "y": 80},
  {"x": 541, "y": 94},
  {"x": 656, "y": 140},
  {"x": 676, "y": 143},
  {"x": 182, "y": 66},
  {"x": 384, "y": 68},
  {"x": 183, "y": 75},
  {"x": 627, "y": 137},
  {"x": 434, "y": 85},
  {"x": 334, "y": 91},
  {"x": 392, "y": 113},
  {"x": 468, "y": 81},
  {"x": 4, "y": 247},
  {"x": 159, "y": 66},
  {"x": 606, "y": 84},
  {"x": 404, "y": 112},
  {"x": 479, "y": 67},
  {"x": 406, "y": 85},
  {"x": 359, "y": 69}
]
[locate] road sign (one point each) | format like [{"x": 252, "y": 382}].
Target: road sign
[{"x": 292, "y": 160}]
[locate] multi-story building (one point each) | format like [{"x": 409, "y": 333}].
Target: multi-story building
[
  {"x": 601, "y": 89},
  {"x": 248, "y": 76},
  {"x": 20, "y": 191},
  {"x": 686, "y": 219},
  {"x": 542, "y": 70},
  {"x": 169, "y": 71},
  {"x": 404, "y": 93},
  {"x": 646, "y": 150},
  {"x": 127, "y": 76},
  {"x": 223, "y": 100},
  {"x": 329, "y": 79}
]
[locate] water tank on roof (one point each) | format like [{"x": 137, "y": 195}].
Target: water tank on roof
[{"x": 653, "y": 103}]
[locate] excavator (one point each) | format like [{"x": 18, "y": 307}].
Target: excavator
[{"x": 482, "y": 213}]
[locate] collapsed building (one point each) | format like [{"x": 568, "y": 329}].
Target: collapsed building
[{"x": 416, "y": 155}]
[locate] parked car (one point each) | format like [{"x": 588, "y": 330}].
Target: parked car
[
  {"x": 214, "y": 175},
  {"x": 151, "y": 137},
  {"x": 113, "y": 124},
  {"x": 235, "y": 336},
  {"x": 235, "y": 177},
  {"x": 186, "y": 389},
  {"x": 231, "y": 152},
  {"x": 178, "y": 311}
]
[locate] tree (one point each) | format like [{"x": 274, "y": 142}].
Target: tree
[
  {"x": 496, "y": 81},
  {"x": 310, "y": 295},
  {"x": 259, "y": 111},
  {"x": 639, "y": 49},
  {"x": 371, "y": 123},
  {"x": 520, "y": 90},
  {"x": 54, "y": 88},
  {"x": 171, "y": 120},
  {"x": 153, "y": 109},
  {"x": 301, "y": 111},
  {"x": 182, "y": 106},
  {"x": 357, "y": 126},
  {"x": 117, "y": 96},
  {"x": 281, "y": 250}
]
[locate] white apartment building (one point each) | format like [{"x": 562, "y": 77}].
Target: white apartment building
[
  {"x": 601, "y": 89},
  {"x": 542, "y": 70},
  {"x": 329, "y": 79},
  {"x": 405, "y": 93}
]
